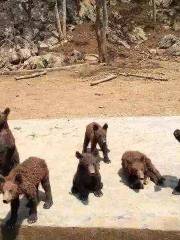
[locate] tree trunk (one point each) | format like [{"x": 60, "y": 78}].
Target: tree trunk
[
  {"x": 154, "y": 13},
  {"x": 101, "y": 26},
  {"x": 58, "y": 21},
  {"x": 64, "y": 17}
]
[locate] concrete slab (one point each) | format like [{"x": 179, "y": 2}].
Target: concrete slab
[{"x": 120, "y": 207}]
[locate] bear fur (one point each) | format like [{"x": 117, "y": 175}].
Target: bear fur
[
  {"x": 95, "y": 134},
  {"x": 138, "y": 168},
  {"x": 9, "y": 156},
  {"x": 177, "y": 134},
  {"x": 25, "y": 179},
  {"x": 87, "y": 178}
]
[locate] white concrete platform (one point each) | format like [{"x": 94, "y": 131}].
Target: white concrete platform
[{"x": 120, "y": 207}]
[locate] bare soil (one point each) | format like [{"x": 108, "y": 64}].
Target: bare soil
[{"x": 69, "y": 94}]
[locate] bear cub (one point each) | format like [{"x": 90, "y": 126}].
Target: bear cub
[
  {"x": 87, "y": 178},
  {"x": 24, "y": 179},
  {"x": 138, "y": 168},
  {"x": 95, "y": 134},
  {"x": 9, "y": 156}
]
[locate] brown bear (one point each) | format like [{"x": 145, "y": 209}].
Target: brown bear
[
  {"x": 177, "y": 134},
  {"x": 25, "y": 179},
  {"x": 9, "y": 156},
  {"x": 138, "y": 168},
  {"x": 87, "y": 178},
  {"x": 95, "y": 134}
]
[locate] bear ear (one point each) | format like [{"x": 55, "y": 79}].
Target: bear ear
[
  {"x": 18, "y": 178},
  {"x": 7, "y": 111},
  {"x": 79, "y": 155},
  {"x": 95, "y": 127},
  {"x": 105, "y": 127},
  {"x": 2, "y": 179}
]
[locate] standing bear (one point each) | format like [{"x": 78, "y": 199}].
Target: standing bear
[
  {"x": 87, "y": 178},
  {"x": 9, "y": 156},
  {"x": 95, "y": 134},
  {"x": 138, "y": 168},
  {"x": 24, "y": 179}
]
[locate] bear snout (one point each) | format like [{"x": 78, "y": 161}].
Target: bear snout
[
  {"x": 91, "y": 170},
  {"x": 5, "y": 201}
]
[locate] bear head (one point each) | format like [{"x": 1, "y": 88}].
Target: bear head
[
  {"x": 88, "y": 163},
  {"x": 137, "y": 175},
  {"x": 4, "y": 116},
  {"x": 10, "y": 188},
  {"x": 100, "y": 134}
]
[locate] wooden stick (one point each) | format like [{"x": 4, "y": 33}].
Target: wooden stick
[
  {"x": 143, "y": 76},
  {"x": 25, "y": 71},
  {"x": 108, "y": 78},
  {"x": 31, "y": 75}
]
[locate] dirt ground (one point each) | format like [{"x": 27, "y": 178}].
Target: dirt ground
[{"x": 69, "y": 94}]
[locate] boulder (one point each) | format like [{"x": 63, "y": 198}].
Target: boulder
[
  {"x": 175, "y": 49},
  {"x": 167, "y": 41}
]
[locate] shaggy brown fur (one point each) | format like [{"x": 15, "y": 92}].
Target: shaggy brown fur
[
  {"x": 137, "y": 168},
  {"x": 9, "y": 156},
  {"x": 87, "y": 178},
  {"x": 25, "y": 179},
  {"x": 95, "y": 134}
]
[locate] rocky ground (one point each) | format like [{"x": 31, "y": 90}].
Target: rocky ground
[{"x": 29, "y": 39}]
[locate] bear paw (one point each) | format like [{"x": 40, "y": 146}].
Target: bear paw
[
  {"x": 47, "y": 204},
  {"x": 98, "y": 193},
  {"x": 32, "y": 218}
]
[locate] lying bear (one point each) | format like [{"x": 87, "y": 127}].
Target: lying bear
[
  {"x": 95, "y": 134},
  {"x": 138, "y": 168},
  {"x": 9, "y": 156},
  {"x": 25, "y": 179},
  {"x": 87, "y": 178}
]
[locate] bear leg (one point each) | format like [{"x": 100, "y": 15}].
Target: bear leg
[
  {"x": 47, "y": 188},
  {"x": 33, "y": 210},
  {"x": 85, "y": 144},
  {"x": 14, "y": 210}
]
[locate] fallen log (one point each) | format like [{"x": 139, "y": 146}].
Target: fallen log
[
  {"x": 31, "y": 75},
  {"x": 25, "y": 71},
  {"x": 143, "y": 76},
  {"x": 106, "y": 79}
]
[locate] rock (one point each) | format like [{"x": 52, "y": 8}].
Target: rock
[
  {"x": 176, "y": 25},
  {"x": 164, "y": 3},
  {"x": 167, "y": 41},
  {"x": 116, "y": 40},
  {"x": 53, "y": 60},
  {"x": 139, "y": 35},
  {"x": 14, "y": 57},
  {"x": 175, "y": 49},
  {"x": 52, "y": 41},
  {"x": 153, "y": 51},
  {"x": 34, "y": 62},
  {"x": 87, "y": 10},
  {"x": 43, "y": 46},
  {"x": 91, "y": 58},
  {"x": 24, "y": 54},
  {"x": 75, "y": 57}
]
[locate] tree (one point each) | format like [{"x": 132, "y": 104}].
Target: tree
[
  {"x": 64, "y": 18},
  {"x": 101, "y": 29},
  {"x": 58, "y": 21},
  {"x": 154, "y": 12}
]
